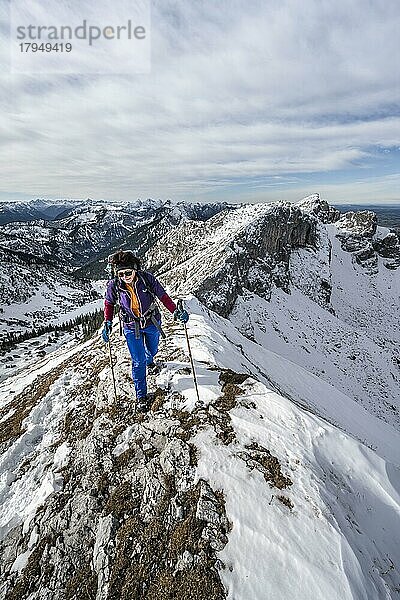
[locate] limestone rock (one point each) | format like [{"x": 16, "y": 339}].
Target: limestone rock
[
  {"x": 320, "y": 208},
  {"x": 362, "y": 223},
  {"x": 258, "y": 257}
]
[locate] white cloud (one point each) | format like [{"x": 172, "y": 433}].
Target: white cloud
[{"x": 236, "y": 92}]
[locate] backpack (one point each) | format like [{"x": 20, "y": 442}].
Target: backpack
[{"x": 149, "y": 286}]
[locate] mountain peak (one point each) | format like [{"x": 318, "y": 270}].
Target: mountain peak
[{"x": 320, "y": 208}]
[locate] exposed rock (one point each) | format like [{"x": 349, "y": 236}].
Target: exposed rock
[
  {"x": 127, "y": 518},
  {"x": 358, "y": 234},
  {"x": 320, "y": 208},
  {"x": 258, "y": 258},
  {"x": 392, "y": 265},
  {"x": 209, "y": 510},
  {"x": 130, "y": 521},
  {"x": 310, "y": 269},
  {"x": 389, "y": 247},
  {"x": 101, "y": 552},
  {"x": 356, "y": 231},
  {"x": 260, "y": 458},
  {"x": 362, "y": 223},
  {"x": 246, "y": 250}
]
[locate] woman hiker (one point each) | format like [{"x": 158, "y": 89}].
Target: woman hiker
[{"x": 135, "y": 291}]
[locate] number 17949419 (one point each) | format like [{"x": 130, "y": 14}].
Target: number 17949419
[{"x": 45, "y": 47}]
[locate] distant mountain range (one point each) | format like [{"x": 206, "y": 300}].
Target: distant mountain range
[
  {"x": 199, "y": 247},
  {"x": 48, "y": 262},
  {"x": 34, "y": 210}
]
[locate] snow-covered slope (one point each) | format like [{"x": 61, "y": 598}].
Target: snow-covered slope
[
  {"x": 338, "y": 540},
  {"x": 282, "y": 277},
  {"x": 35, "y": 294},
  {"x": 353, "y": 346},
  {"x": 290, "y": 493}
]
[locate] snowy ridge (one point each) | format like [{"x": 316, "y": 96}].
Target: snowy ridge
[
  {"x": 316, "y": 519},
  {"x": 346, "y": 490},
  {"x": 201, "y": 248},
  {"x": 320, "y": 208},
  {"x": 312, "y": 302},
  {"x": 248, "y": 248}
]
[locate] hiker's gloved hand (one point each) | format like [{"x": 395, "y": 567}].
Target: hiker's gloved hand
[
  {"x": 106, "y": 331},
  {"x": 181, "y": 315}
]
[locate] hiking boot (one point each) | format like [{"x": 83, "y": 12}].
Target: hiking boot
[
  {"x": 153, "y": 368},
  {"x": 142, "y": 404},
  {"x": 150, "y": 398}
]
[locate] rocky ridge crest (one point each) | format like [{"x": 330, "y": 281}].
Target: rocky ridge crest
[
  {"x": 125, "y": 517},
  {"x": 251, "y": 250}
]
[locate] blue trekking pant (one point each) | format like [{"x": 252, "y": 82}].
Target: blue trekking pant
[{"x": 142, "y": 351}]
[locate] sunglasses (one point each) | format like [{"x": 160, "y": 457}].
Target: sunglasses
[{"x": 125, "y": 273}]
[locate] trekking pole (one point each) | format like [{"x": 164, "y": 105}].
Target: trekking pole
[
  {"x": 112, "y": 371},
  {"x": 180, "y": 307}
]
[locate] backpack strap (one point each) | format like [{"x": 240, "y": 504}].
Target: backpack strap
[
  {"x": 118, "y": 303},
  {"x": 149, "y": 314},
  {"x": 142, "y": 275}
]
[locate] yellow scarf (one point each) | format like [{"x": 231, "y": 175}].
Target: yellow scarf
[{"x": 134, "y": 300}]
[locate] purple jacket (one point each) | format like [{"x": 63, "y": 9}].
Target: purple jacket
[{"x": 117, "y": 293}]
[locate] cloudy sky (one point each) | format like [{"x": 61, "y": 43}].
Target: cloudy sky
[{"x": 244, "y": 101}]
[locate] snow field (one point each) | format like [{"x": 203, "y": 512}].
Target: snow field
[
  {"x": 218, "y": 342},
  {"x": 338, "y": 542}
]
